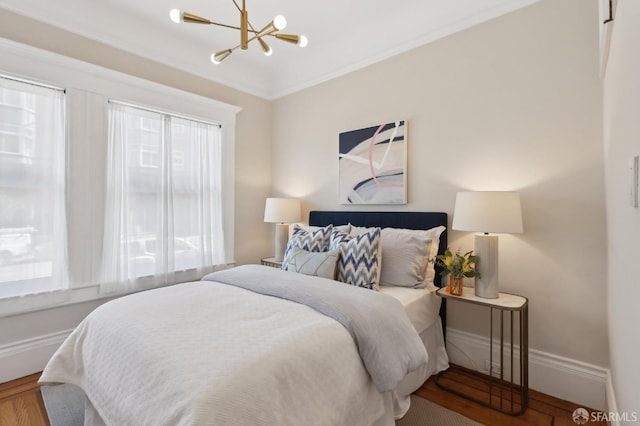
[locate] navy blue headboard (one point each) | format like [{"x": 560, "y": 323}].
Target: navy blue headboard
[{"x": 407, "y": 220}]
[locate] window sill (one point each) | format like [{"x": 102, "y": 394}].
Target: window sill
[{"x": 55, "y": 299}]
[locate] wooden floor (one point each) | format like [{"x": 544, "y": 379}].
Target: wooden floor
[
  {"x": 21, "y": 404},
  {"x": 542, "y": 409}
]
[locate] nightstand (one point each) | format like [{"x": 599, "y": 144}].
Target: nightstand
[
  {"x": 505, "y": 393},
  {"x": 271, "y": 261}
]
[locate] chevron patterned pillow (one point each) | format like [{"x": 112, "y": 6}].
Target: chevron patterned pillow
[
  {"x": 360, "y": 258},
  {"x": 315, "y": 241}
]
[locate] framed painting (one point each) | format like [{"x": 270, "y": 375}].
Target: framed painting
[{"x": 372, "y": 165}]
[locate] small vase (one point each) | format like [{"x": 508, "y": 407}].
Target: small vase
[{"x": 455, "y": 285}]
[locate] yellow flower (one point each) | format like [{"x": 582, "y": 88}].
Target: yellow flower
[{"x": 457, "y": 264}]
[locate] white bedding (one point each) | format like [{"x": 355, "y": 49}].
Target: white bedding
[
  {"x": 209, "y": 357},
  {"x": 421, "y": 305}
]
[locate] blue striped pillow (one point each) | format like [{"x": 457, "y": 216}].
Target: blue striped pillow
[
  {"x": 360, "y": 258},
  {"x": 314, "y": 241}
]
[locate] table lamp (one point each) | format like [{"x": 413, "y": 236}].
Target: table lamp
[
  {"x": 487, "y": 212},
  {"x": 281, "y": 211}
]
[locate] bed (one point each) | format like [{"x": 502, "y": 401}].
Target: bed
[{"x": 255, "y": 345}]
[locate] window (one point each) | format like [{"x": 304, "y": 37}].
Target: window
[
  {"x": 32, "y": 188},
  {"x": 164, "y": 198},
  {"x": 149, "y": 155},
  {"x": 54, "y": 156}
]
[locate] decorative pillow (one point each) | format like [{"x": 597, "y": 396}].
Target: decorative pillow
[
  {"x": 360, "y": 258},
  {"x": 344, "y": 228},
  {"x": 319, "y": 264},
  {"x": 315, "y": 241},
  {"x": 406, "y": 256},
  {"x": 359, "y": 230}
]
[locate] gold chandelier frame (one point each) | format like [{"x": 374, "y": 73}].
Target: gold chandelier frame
[{"x": 271, "y": 29}]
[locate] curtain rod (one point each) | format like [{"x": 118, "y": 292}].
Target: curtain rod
[
  {"x": 160, "y": 111},
  {"x": 32, "y": 82}
]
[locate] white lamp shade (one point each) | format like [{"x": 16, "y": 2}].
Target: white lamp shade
[
  {"x": 488, "y": 211},
  {"x": 282, "y": 210}
]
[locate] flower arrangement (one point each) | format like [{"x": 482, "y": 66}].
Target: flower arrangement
[{"x": 458, "y": 265}]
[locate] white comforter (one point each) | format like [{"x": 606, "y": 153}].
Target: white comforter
[{"x": 209, "y": 356}]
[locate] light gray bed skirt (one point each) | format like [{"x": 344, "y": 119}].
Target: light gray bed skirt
[{"x": 64, "y": 404}]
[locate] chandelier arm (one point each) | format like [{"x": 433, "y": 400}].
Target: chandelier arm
[
  {"x": 251, "y": 29},
  {"x": 248, "y": 41},
  {"x": 244, "y": 28},
  {"x": 225, "y": 25},
  {"x": 233, "y": 27},
  {"x": 289, "y": 38},
  {"x": 240, "y": 10}
]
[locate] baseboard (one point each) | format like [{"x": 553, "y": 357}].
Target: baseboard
[
  {"x": 28, "y": 356},
  {"x": 612, "y": 406},
  {"x": 561, "y": 377}
]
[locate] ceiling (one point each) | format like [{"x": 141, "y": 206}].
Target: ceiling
[{"x": 344, "y": 35}]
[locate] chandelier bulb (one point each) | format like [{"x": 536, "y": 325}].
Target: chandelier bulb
[
  {"x": 279, "y": 22},
  {"x": 302, "y": 42},
  {"x": 266, "y": 49},
  {"x": 218, "y": 57},
  {"x": 175, "y": 16}
]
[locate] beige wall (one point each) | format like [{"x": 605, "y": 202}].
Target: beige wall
[
  {"x": 622, "y": 142},
  {"x": 512, "y": 104}
]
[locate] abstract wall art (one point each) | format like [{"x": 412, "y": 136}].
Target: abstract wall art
[{"x": 372, "y": 165}]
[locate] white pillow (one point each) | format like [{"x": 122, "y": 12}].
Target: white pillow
[
  {"x": 359, "y": 230},
  {"x": 405, "y": 256}
]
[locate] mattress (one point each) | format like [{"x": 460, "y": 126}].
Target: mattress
[{"x": 422, "y": 305}]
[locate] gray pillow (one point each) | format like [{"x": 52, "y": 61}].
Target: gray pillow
[
  {"x": 406, "y": 254},
  {"x": 319, "y": 264}
]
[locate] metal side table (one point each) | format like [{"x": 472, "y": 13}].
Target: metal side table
[{"x": 504, "y": 393}]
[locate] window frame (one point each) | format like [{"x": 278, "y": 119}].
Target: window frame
[
  {"x": 128, "y": 151},
  {"x": 87, "y": 84},
  {"x": 53, "y": 158}
]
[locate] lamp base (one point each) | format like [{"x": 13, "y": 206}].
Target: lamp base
[
  {"x": 282, "y": 238},
  {"x": 486, "y": 248}
]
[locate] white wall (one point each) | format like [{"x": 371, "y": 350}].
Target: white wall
[
  {"x": 512, "y": 104},
  {"x": 622, "y": 142}
]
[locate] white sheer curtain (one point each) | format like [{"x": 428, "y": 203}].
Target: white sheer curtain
[
  {"x": 163, "y": 219},
  {"x": 33, "y": 243}
]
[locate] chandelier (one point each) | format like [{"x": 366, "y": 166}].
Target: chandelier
[{"x": 247, "y": 31}]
